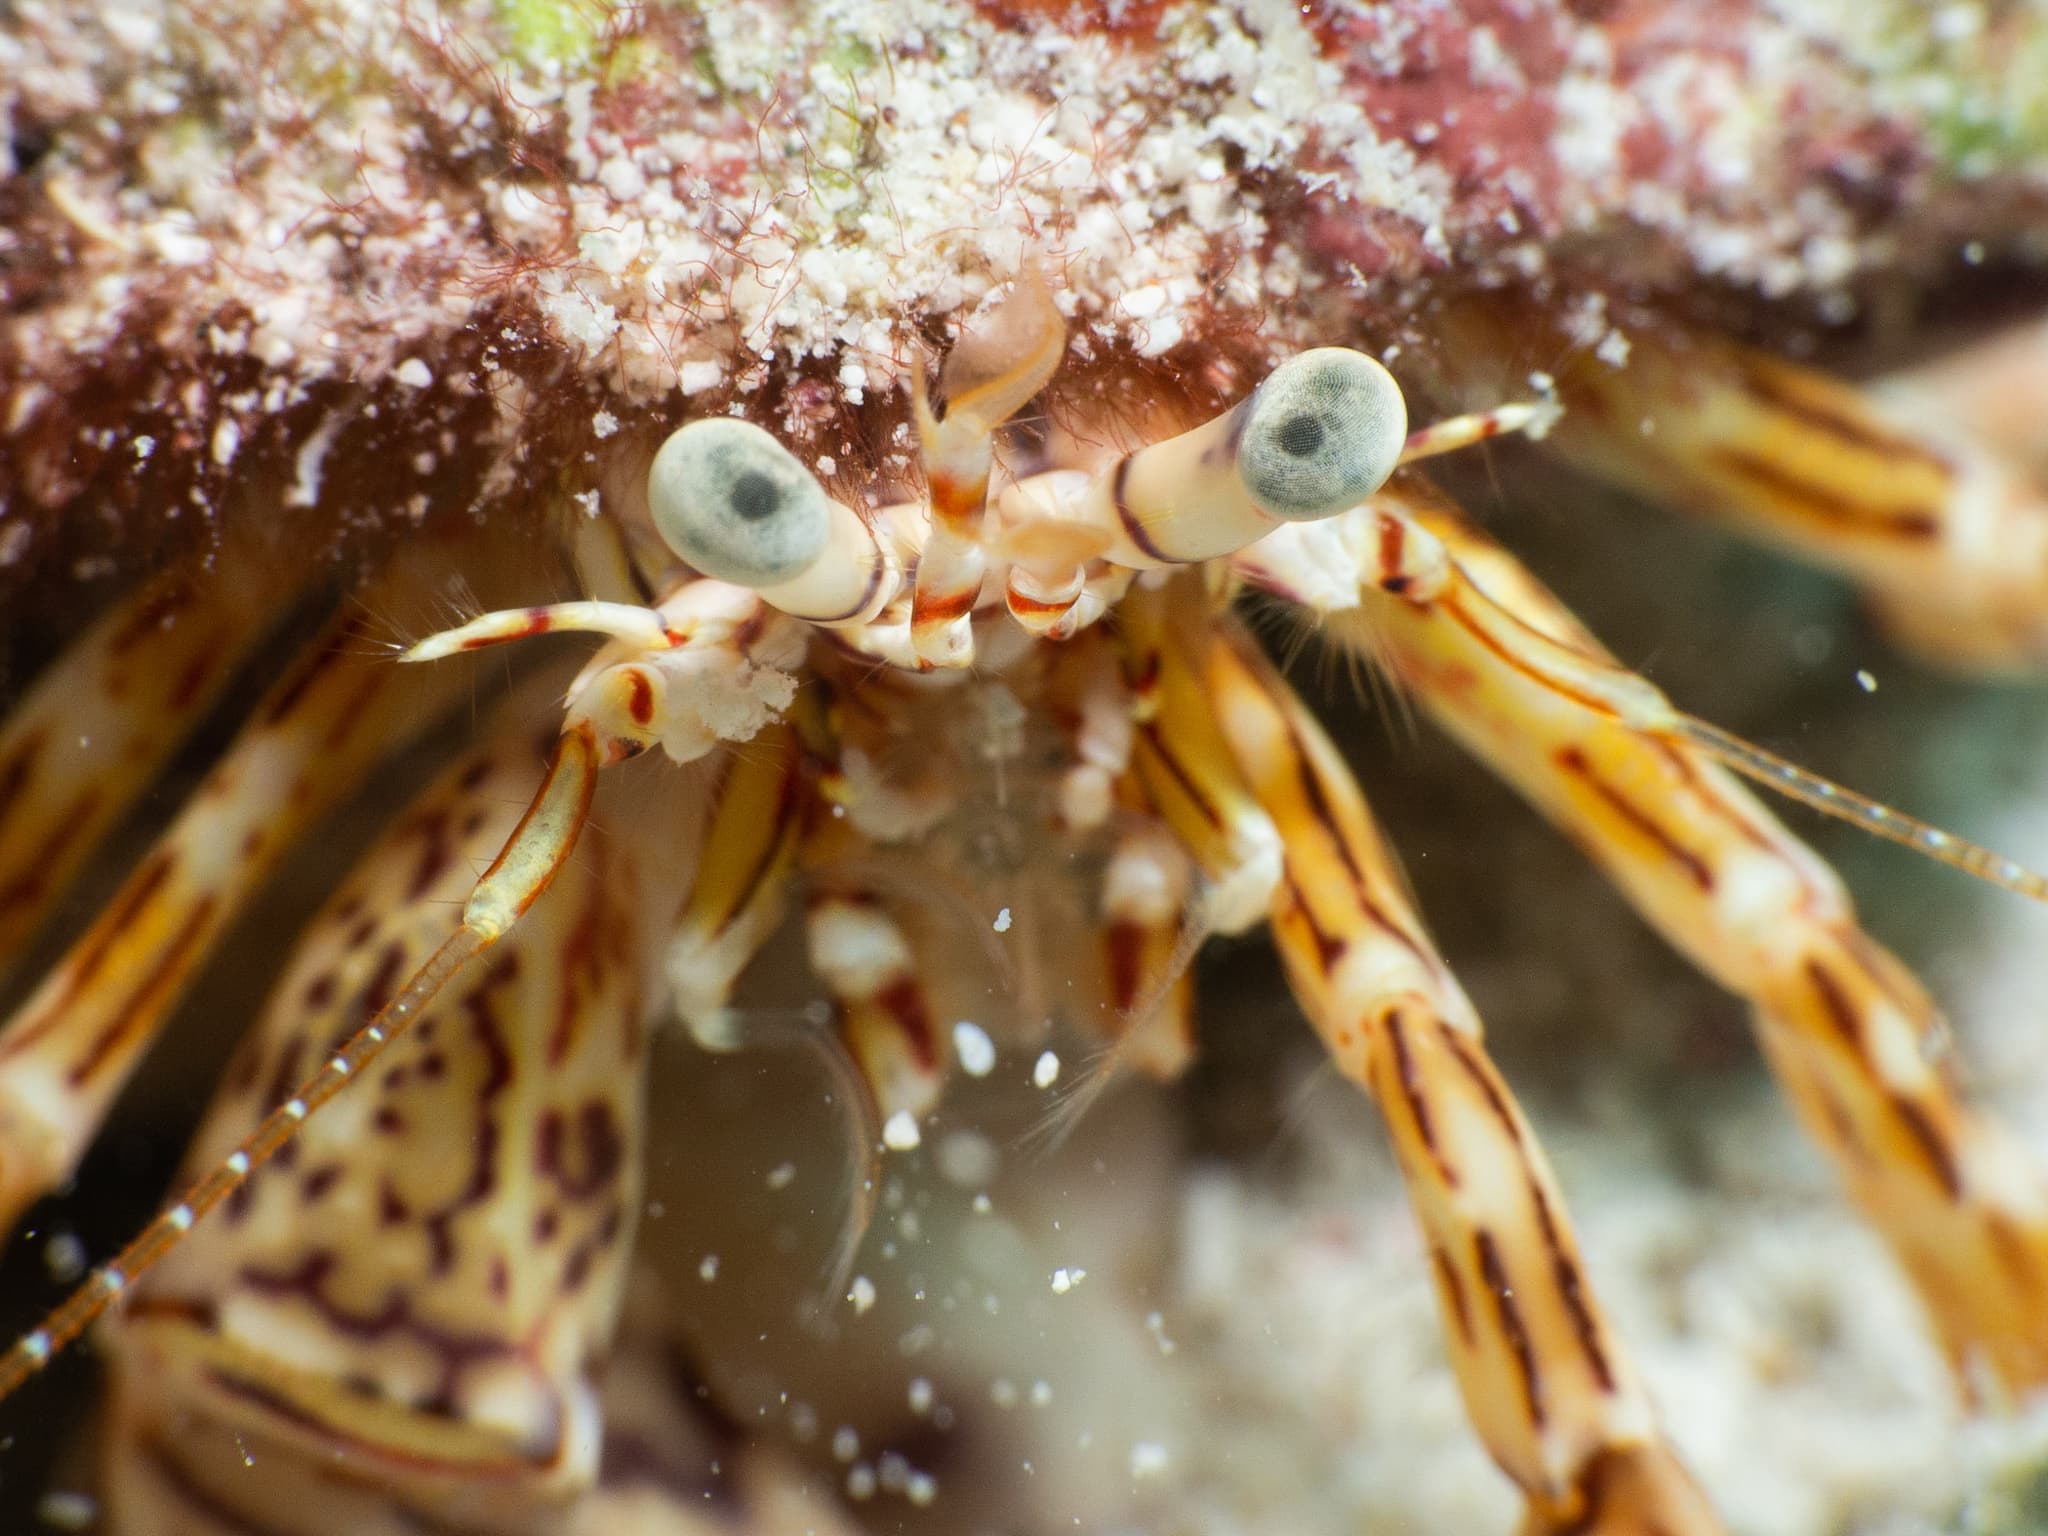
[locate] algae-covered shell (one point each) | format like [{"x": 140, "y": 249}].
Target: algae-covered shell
[{"x": 320, "y": 274}]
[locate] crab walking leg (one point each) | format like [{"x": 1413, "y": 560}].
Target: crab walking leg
[
  {"x": 871, "y": 967},
  {"x": 1857, "y": 1044},
  {"x": 1148, "y": 987},
  {"x": 1183, "y": 763},
  {"x": 529, "y": 860},
  {"x": 741, "y": 885},
  {"x": 1002, "y": 360},
  {"x": 71, "y": 1045},
  {"x": 103, "y": 718},
  {"x": 1949, "y": 537},
  {"x": 396, "y": 1322},
  {"x": 1549, "y": 1389},
  {"x": 1553, "y": 1396}
]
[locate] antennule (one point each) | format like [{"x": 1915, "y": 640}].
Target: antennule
[
  {"x": 107, "y": 1285},
  {"x": 1830, "y": 798},
  {"x": 532, "y": 855}
]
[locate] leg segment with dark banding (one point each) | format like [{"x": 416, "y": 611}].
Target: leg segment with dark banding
[
  {"x": 103, "y": 718},
  {"x": 1894, "y": 484},
  {"x": 397, "y": 1319},
  {"x": 1184, "y": 764},
  {"x": 1854, "y": 1039},
  {"x": 1547, "y": 1384},
  {"x": 68, "y": 1049},
  {"x": 741, "y": 884}
]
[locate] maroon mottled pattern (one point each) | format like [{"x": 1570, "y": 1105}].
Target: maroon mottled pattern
[
  {"x": 1426, "y": 78},
  {"x": 1412, "y": 67},
  {"x": 1471, "y": 87}
]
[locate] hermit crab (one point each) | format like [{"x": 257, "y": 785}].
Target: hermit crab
[{"x": 924, "y": 401}]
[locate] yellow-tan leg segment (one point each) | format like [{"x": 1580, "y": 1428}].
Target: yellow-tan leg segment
[
  {"x": 1858, "y": 1045},
  {"x": 1183, "y": 763},
  {"x": 1148, "y": 990},
  {"x": 531, "y": 857},
  {"x": 103, "y": 718},
  {"x": 869, "y": 963},
  {"x": 1549, "y": 1388},
  {"x": 1947, "y": 534},
  {"x": 71, "y": 1045},
  {"x": 741, "y": 885},
  {"x": 396, "y": 1321}
]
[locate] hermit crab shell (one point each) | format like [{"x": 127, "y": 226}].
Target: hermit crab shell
[
  {"x": 323, "y": 275},
  {"x": 477, "y": 259}
]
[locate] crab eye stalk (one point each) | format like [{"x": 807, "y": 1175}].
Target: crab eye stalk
[
  {"x": 1321, "y": 434},
  {"x": 737, "y": 505}
]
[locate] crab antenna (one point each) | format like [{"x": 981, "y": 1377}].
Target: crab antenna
[
  {"x": 537, "y": 848},
  {"x": 1532, "y": 418},
  {"x": 1830, "y": 798}
]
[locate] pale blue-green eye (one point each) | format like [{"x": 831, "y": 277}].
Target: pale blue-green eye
[
  {"x": 1321, "y": 434},
  {"x": 736, "y": 504}
]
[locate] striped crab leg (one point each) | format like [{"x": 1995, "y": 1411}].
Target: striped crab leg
[
  {"x": 397, "y": 1321},
  {"x": 105, "y": 716},
  {"x": 1548, "y": 1386},
  {"x": 1852, "y": 1037},
  {"x": 1184, "y": 767},
  {"x": 68, "y": 1049},
  {"x": 869, "y": 963},
  {"x": 740, "y": 890},
  {"x": 1893, "y": 485},
  {"x": 1148, "y": 989},
  {"x": 722, "y": 681},
  {"x": 762, "y": 829}
]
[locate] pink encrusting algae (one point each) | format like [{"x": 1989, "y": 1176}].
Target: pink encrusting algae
[{"x": 466, "y": 243}]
